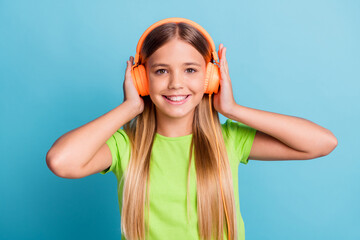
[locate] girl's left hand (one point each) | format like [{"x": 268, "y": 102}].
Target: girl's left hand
[{"x": 224, "y": 100}]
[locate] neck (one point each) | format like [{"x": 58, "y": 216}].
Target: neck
[{"x": 174, "y": 127}]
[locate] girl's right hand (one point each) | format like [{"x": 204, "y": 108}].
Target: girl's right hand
[{"x": 130, "y": 92}]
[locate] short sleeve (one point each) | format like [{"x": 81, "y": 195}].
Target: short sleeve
[
  {"x": 241, "y": 138},
  {"x": 118, "y": 144}
]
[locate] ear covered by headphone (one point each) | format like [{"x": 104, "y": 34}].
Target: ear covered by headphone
[{"x": 212, "y": 77}]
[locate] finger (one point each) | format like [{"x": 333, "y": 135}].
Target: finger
[
  {"x": 223, "y": 58},
  {"x": 128, "y": 69},
  {"x": 226, "y": 62},
  {"x": 223, "y": 72},
  {"x": 222, "y": 61},
  {"x": 219, "y": 51},
  {"x": 222, "y": 54}
]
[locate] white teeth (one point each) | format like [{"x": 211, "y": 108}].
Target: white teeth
[{"x": 177, "y": 99}]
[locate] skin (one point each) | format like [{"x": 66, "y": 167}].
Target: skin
[{"x": 176, "y": 79}]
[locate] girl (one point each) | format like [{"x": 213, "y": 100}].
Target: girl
[{"x": 175, "y": 164}]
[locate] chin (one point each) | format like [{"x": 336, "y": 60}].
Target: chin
[{"x": 174, "y": 113}]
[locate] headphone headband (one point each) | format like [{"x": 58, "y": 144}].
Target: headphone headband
[{"x": 175, "y": 20}]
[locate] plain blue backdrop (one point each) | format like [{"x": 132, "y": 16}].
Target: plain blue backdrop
[{"x": 62, "y": 65}]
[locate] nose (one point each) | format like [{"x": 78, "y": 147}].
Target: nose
[{"x": 176, "y": 81}]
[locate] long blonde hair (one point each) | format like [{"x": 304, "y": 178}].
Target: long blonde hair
[{"x": 141, "y": 132}]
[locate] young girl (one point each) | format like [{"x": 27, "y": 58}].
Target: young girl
[{"x": 176, "y": 165}]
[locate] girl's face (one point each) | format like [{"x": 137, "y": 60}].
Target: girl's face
[{"x": 177, "y": 70}]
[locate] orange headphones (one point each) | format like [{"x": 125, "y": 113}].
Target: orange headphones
[
  {"x": 212, "y": 78},
  {"x": 138, "y": 73}
]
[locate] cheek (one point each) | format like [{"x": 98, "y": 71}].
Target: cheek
[
  {"x": 199, "y": 88},
  {"x": 155, "y": 85},
  {"x": 198, "y": 85},
  {"x": 155, "y": 88}
]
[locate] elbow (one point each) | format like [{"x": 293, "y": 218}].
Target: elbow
[
  {"x": 61, "y": 166},
  {"x": 324, "y": 148},
  {"x": 55, "y": 166},
  {"x": 330, "y": 145}
]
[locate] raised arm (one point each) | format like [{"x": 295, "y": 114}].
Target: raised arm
[
  {"x": 283, "y": 137},
  {"x": 278, "y": 136},
  {"x": 83, "y": 151},
  {"x": 75, "y": 149}
]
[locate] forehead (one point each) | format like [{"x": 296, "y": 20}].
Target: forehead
[{"x": 176, "y": 52}]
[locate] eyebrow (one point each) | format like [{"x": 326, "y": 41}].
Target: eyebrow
[{"x": 166, "y": 65}]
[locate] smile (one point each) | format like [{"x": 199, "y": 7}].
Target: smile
[{"x": 178, "y": 100}]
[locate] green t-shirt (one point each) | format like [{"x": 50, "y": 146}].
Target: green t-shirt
[{"x": 168, "y": 178}]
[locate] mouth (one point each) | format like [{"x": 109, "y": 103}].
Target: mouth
[{"x": 176, "y": 99}]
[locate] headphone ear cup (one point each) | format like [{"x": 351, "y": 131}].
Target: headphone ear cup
[
  {"x": 138, "y": 74},
  {"x": 212, "y": 79}
]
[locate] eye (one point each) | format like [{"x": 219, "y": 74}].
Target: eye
[
  {"x": 191, "y": 69},
  {"x": 157, "y": 72}
]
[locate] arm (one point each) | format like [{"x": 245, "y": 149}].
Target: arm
[
  {"x": 278, "y": 137},
  {"x": 83, "y": 151},
  {"x": 75, "y": 149},
  {"x": 281, "y": 137}
]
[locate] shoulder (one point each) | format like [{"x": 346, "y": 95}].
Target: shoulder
[
  {"x": 120, "y": 135},
  {"x": 232, "y": 129},
  {"x": 239, "y": 138},
  {"x": 119, "y": 143}
]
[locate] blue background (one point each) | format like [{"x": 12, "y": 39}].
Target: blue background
[{"x": 62, "y": 64}]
